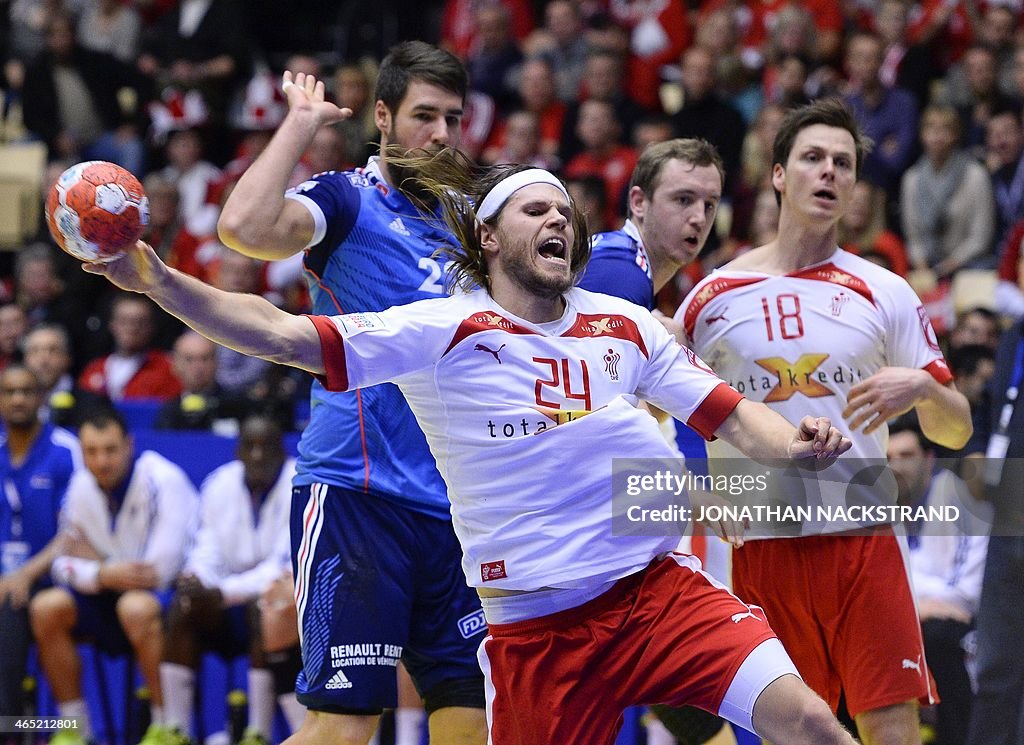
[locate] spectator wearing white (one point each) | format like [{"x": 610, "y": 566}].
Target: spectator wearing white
[
  {"x": 242, "y": 549},
  {"x": 129, "y": 521}
]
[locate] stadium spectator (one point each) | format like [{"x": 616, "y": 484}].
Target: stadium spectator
[
  {"x": 13, "y": 325},
  {"x": 946, "y": 564},
  {"x": 494, "y": 57},
  {"x": 36, "y": 464},
  {"x": 603, "y": 79},
  {"x": 1004, "y": 156},
  {"x": 603, "y": 155},
  {"x": 194, "y": 177},
  {"x": 458, "y": 23},
  {"x": 353, "y": 89},
  {"x": 70, "y": 101},
  {"x": 111, "y": 27},
  {"x": 888, "y": 115},
  {"x": 128, "y": 518},
  {"x": 904, "y": 64},
  {"x": 863, "y": 229},
  {"x": 203, "y": 403},
  {"x": 522, "y": 142},
  {"x": 657, "y": 34},
  {"x": 47, "y": 353},
  {"x": 705, "y": 116},
  {"x": 536, "y": 89},
  {"x": 980, "y": 96},
  {"x": 241, "y": 549},
  {"x": 946, "y": 203},
  {"x": 976, "y": 325},
  {"x": 135, "y": 369},
  {"x": 562, "y": 43},
  {"x": 1010, "y": 282},
  {"x": 187, "y": 49},
  {"x": 649, "y": 130}
]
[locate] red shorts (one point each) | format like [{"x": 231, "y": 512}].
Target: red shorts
[
  {"x": 666, "y": 635},
  {"x": 843, "y": 608}
]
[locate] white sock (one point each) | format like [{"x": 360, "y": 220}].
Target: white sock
[
  {"x": 657, "y": 734},
  {"x": 294, "y": 712},
  {"x": 409, "y": 725},
  {"x": 156, "y": 714},
  {"x": 76, "y": 708},
  {"x": 261, "y": 700},
  {"x": 179, "y": 686}
]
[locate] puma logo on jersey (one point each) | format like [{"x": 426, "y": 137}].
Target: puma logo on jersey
[
  {"x": 340, "y": 680},
  {"x": 737, "y": 617},
  {"x": 720, "y": 317},
  {"x": 399, "y": 227},
  {"x": 492, "y": 352},
  {"x": 911, "y": 665}
]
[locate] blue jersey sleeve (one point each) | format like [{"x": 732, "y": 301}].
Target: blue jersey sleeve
[
  {"x": 335, "y": 195},
  {"x": 616, "y": 273}
]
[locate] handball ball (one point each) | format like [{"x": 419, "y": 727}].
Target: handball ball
[{"x": 96, "y": 210}]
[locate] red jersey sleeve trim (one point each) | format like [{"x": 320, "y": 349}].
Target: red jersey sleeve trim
[
  {"x": 713, "y": 410},
  {"x": 332, "y": 347},
  {"x": 939, "y": 370}
]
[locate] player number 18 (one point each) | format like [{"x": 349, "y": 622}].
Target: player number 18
[{"x": 787, "y": 316}]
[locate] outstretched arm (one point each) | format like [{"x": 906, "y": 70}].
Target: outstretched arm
[
  {"x": 764, "y": 435},
  {"x": 257, "y": 220},
  {"x": 245, "y": 323}
]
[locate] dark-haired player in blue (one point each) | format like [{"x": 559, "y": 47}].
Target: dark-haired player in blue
[
  {"x": 377, "y": 565},
  {"x": 673, "y": 198},
  {"x": 36, "y": 463}
]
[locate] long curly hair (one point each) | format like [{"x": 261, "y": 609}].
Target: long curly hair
[{"x": 450, "y": 181}]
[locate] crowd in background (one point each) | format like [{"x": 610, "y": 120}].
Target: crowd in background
[{"x": 580, "y": 87}]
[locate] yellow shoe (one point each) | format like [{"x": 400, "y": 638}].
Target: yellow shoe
[
  {"x": 159, "y": 734},
  {"x": 68, "y": 737}
]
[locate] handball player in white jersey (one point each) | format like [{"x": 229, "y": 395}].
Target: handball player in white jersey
[
  {"x": 524, "y": 412},
  {"x": 802, "y": 325}
]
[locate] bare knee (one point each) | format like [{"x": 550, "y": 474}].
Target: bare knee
[
  {"x": 52, "y": 612},
  {"x": 788, "y": 711},
  {"x": 890, "y": 725},
  {"x": 138, "y": 611},
  {"x": 458, "y": 725},
  {"x": 321, "y": 728}
]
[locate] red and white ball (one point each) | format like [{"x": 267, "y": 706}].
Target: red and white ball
[{"x": 96, "y": 210}]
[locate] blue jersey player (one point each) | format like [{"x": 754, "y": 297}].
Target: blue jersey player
[
  {"x": 673, "y": 197},
  {"x": 377, "y": 565},
  {"x": 36, "y": 463}
]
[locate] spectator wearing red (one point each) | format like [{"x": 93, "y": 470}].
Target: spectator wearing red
[
  {"x": 603, "y": 155},
  {"x": 134, "y": 370},
  {"x": 537, "y": 94},
  {"x": 659, "y": 32},
  {"x": 1010, "y": 278},
  {"x": 459, "y": 29}
]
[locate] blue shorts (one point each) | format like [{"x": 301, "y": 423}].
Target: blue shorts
[
  {"x": 375, "y": 583},
  {"x": 98, "y": 623}
]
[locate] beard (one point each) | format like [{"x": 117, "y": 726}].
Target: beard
[{"x": 518, "y": 267}]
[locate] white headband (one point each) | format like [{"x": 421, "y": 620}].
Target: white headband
[{"x": 497, "y": 196}]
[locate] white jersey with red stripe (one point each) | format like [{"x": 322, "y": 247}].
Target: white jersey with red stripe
[
  {"x": 525, "y": 419},
  {"x": 799, "y": 342}
]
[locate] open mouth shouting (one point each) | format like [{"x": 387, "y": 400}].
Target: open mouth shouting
[{"x": 554, "y": 249}]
